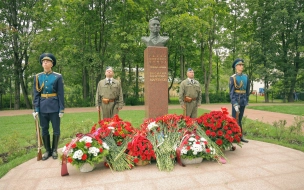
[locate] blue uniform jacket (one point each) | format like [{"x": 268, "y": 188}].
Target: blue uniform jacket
[
  {"x": 48, "y": 83},
  {"x": 239, "y": 83}
]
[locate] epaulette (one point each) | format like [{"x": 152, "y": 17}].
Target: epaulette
[
  {"x": 56, "y": 73},
  {"x": 39, "y": 73}
]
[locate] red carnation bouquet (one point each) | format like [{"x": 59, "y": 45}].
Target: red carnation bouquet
[
  {"x": 141, "y": 149},
  {"x": 121, "y": 129},
  {"x": 221, "y": 128}
]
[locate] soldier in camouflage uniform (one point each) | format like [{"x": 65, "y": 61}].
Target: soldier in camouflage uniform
[
  {"x": 239, "y": 87},
  {"x": 190, "y": 94},
  {"x": 109, "y": 95}
]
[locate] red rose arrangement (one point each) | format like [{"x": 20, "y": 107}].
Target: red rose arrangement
[{"x": 221, "y": 128}]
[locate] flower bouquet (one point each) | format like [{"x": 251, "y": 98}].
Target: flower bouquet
[
  {"x": 163, "y": 133},
  {"x": 85, "y": 149},
  {"x": 194, "y": 144},
  {"x": 118, "y": 159},
  {"x": 192, "y": 149},
  {"x": 141, "y": 149},
  {"x": 117, "y": 134},
  {"x": 221, "y": 128},
  {"x": 121, "y": 129}
]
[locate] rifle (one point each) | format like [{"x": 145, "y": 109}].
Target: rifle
[
  {"x": 39, "y": 140},
  {"x": 184, "y": 111},
  {"x": 99, "y": 118},
  {"x": 237, "y": 117},
  {"x": 99, "y": 102}
]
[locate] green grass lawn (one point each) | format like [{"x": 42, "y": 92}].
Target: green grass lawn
[
  {"x": 261, "y": 99},
  {"x": 294, "y": 109}
]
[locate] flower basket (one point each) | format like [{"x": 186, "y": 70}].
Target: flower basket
[
  {"x": 86, "y": 167},
  {"x": 186, "y": 161},
  {"x": 85, "y": 151},
  {"x": 192, "y": 149}
]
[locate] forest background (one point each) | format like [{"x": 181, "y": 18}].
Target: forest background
[{"x": 206, "y": 35}]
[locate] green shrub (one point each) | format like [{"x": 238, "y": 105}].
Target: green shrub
[
  {"x": 133, "y": 101},
  {"x": 221, "y": 97}
]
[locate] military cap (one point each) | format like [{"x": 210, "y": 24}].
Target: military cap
[
  {"x": 236, "y": 62},
  {"x": 109, "y": 67},
  {"x": 190, "y": 69},
  {"x": 47, "y": 56}
]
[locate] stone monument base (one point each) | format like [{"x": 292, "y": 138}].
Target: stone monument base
[{"x": 156, "y": 81}]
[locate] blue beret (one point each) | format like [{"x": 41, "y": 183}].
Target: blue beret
[
  {"x": 235, "y": 62},
  {"x": 47, "y": 56},
  {"x": 189, "y": 69}
]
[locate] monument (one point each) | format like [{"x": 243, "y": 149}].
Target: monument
[{"x": 156, "y": 71}]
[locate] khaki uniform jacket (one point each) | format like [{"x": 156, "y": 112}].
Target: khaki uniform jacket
[
  {"x": 193, "y": 91},
  {"x": 111, "y": 91}
]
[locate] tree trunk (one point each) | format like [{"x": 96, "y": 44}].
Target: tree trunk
[
  {"x": 123, "y": 74},
  {"x": 202, "y": 50},
  {"x": 17, "y": 90},
  {"x": 208, "y": 73},
  {"x": 182, "y": 66},
  {"x": 136, "y": 82},
  {"x": 25, "y": 93},
  {"x": 85, "y": 83},
  {"x": 217, "y": 72},
  {"x": 24, "y": 82},
  {"x": 172, "y": 75}
]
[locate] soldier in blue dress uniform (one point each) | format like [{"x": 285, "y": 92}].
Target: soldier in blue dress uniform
[
  {"x": 239, "y": 86},
  {"x": 49, "y": 103}
]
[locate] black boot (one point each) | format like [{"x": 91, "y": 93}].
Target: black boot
[
  {"x": 55, "y": 146},
  {"x": 47, "y": 146},
  {"x": 244, "y": 140}
]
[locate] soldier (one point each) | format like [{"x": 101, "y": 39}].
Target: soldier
[
  {"x": 109, "y": 95},
  {"x": 190, "y": 94},
  {"x": 239, "y": 86},
  {"x": 49, "y": 103}
]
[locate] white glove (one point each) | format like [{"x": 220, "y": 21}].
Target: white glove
[
  {"x": 60, "y": 115},
  {"x": 236, "y": 108},
  {"x": 35, "y": 114}
]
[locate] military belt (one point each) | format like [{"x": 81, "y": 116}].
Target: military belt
[
  {"x": 188, "y": 99},
  {"x": 240, "y": 91},
  {"x": 48, "y": 95},
  {"x": 106, "y": 100}
]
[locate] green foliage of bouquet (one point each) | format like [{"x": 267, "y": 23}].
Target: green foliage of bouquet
[{"x": 163, "y": 133}]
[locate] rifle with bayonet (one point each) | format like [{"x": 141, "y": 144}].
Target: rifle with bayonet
[{"x": 39, "y": 140}]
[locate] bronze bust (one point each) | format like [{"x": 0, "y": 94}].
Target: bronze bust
[{"x": 154, "y": 39}]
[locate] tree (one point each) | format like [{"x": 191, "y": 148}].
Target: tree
[{"x": 18, "y": 18}]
